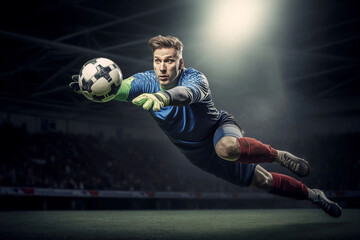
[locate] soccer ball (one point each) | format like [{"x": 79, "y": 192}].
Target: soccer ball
[{"x": 100, "y": 79}]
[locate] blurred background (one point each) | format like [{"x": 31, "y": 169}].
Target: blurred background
[{"x": 287, "y": 70}]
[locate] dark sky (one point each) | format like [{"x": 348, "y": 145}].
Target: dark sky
[{"x": 299, "y": 76}]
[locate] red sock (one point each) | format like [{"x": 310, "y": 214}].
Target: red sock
[
  {"x": 288, "y": 187},
  {"x": 253, "y": 151}
]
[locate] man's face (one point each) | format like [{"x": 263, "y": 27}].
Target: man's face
[{"x": 167, "y": 66}]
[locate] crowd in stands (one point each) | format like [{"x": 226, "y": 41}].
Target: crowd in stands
[{"x": 80, "y": 161}]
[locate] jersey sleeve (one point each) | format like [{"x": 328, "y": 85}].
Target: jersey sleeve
[
  {"x": 198, "y": 85},
  {"x": 132, "y": 87},
  {"x": 179, "y": 96}
]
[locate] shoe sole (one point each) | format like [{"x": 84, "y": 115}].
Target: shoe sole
[
  {"x": 302, "y": 162},
  {"x": 333, "y": 204}
]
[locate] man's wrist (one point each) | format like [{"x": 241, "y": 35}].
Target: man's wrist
[{"x": 165, "y": 97}]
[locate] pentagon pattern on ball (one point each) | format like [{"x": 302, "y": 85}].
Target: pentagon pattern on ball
[
  {"x": 92, "y": 61},
  {"x": 100, "y": 79}
]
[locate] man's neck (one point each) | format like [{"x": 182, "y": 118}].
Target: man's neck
[{"x": 170, "y": 85}]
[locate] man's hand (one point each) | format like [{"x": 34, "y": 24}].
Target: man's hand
[
  {"x": 152, "y": 100},
  {"x": 75, "y": 84}
]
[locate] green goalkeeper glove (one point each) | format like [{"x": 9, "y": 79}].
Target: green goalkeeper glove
[
  {"x": 152, "y": 100},
  {"x": 75, "y": 84}
]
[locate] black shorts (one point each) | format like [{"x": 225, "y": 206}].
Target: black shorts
[{"x": 206, "y": 158}]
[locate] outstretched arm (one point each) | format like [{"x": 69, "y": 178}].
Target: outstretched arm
[
  {"x": 177, "y": 96},
  {"x": 194, "y": 88},
  {"x": 123, "y": 93}
]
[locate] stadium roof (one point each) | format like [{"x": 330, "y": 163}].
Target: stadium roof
[{"x": 43, "y": 43}]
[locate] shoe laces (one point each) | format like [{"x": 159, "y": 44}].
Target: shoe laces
[
  {"x": 290, "y": 163},
  {"x": 321, "y": 203}
]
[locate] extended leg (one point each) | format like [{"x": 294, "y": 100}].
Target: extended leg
[
  {"x": 250, "y": 150},
  {"x": 287, "y": 186}
]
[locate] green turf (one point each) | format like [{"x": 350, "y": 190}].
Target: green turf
[{"x": 180, "y": 224}]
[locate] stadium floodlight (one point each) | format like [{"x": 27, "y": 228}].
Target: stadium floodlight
[{"x": 238, "y": 22}]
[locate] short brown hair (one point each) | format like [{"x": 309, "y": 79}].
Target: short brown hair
[{"x": 166, "y": 42}]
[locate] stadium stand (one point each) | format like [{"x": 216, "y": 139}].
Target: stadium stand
[{"x": 42, "y": 164}]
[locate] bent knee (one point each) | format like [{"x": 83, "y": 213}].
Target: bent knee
[
  {"x": 227, "y": 148},
  {"x": 264, "y": 183},
  {"x": 262, "y": 179}
]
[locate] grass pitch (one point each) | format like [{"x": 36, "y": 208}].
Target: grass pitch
[{"x": 180, "y": 224}]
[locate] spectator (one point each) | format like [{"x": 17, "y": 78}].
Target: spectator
[{"x": 57, "y": 160}]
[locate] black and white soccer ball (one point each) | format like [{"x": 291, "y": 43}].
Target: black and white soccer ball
[{"x": 100, "y": 79}]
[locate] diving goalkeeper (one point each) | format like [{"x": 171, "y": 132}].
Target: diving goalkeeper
[{"x": 179, "y": 100}]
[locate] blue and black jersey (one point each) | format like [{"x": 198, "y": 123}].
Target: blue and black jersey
[
  {"x": 189, "y": 122},
  {"x": 185, "y": 125}
]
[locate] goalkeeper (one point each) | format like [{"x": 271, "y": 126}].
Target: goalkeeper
[{"x": 179, "y": 100}]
